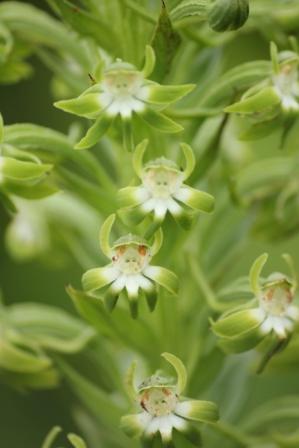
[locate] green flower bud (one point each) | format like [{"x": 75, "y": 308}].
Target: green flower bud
[{"x": 227, "y": 15}]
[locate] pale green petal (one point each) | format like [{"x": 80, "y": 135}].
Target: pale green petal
[
  {"x": 131, "y": 196},
  {"x": 134, "y": 425},
  {"x": 104, "y": 235},
  {"x": 150, "y": 60},
  {"x": 196, "y": 199},
  {"x": 97, "y": 278},
  {"x": 189, "y": 159},
  {"x": 137, "y": 158},
  {"x": 202, "y": 411},
  {"x": 163, "y": 277}
]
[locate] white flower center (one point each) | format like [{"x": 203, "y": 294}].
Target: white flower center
[
  {"x": 286, "y": 83},
  {"x": 158, "y": 401},
  {"x": 131, "y": 258},
  {"x": 161, "y": 182},
  {"x": 276, "y": 299},
  {"x": 123, "y": 92}
]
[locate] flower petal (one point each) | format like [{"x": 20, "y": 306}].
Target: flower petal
[
  {"x": 199, "y": 200},
  {"x": 112, "y": 293},
  {"x": 165, "y": 95},
  {"x": 95, "y": 133},
  {"x": 181, "y": 216},
  {"x": 163, "y": 277},
  {"x": 131, "y": 196},
  {"x": 160, "y": 121},
  {"x": 84, "y": 105},
  {"x": 202, "y": 411},
  {"x": 134, "y": 425},
  {"x": 97, "y": 278},
  {"x": 150, "y": 291}
]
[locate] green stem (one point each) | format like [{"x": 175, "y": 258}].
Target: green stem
[{"x": 204, "y": 286}]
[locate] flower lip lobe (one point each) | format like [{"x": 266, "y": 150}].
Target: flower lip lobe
[
  {"x": 276, "y": 296},
  {"x": 159, "y": 401},
  {"x": 131, "y": 258}
]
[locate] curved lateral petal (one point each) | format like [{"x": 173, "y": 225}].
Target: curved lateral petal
[
  {"x": 255, "y": 273},
  {"x": 97, "y": 278},
  {"x": 239, "y": 322},
  {"x": 94, "y": 134},
  {"x": 134, "y": 424},
  {"x": 163, "y": 277},
  {"x": 131, "y": 196},
  {"x": 202, "y": 411},
  {"x": 196, "y": 199},
  {"x": 168, "y": 94},
  {"x": 86, "y": 105},
  {"x": 160, "y": 122}
]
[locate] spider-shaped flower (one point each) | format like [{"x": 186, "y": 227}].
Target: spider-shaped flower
[
  {"x": 270, "y": 312},
  {"x": 124, "y": 92},
  {"x": 163, "y": 410},
  {"x": 130, "y": 271},
  {"x": 163, "y": 190}
]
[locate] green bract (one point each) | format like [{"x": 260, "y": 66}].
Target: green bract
[
  {"x": 163, "y": 190},
  {"x": 124, "y": 92},
  {"x": 130, "y": 272},
  {"x": 272, "y": 311},
  {"x": 162, "y": 410}
]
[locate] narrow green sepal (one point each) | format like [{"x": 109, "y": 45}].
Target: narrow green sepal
[
  {"x": 76, "y": 441},
  {"x": 110, "y": 298},
  {"x": 127, "y": 132},
  {"x": 128, "y": 197},
  {"x": 262, "y": 101},
  {"x": 151, "y": 298},
  {"x": 51, "y": 437},
  {"x": 132, "y": 216},
  {"x": 184, "y": 218},
  {"x": 160, "y": 122},
  {"x": 95, "y": 133},
  {"x": 238, "y": 322},
  {"x": 97, "y": 278},
  {"x": 132, "y": 425},
  {"x": 164, "y": 95},
  {"x": 157, "y": 243},
  {"x": 87, "y": 105}
]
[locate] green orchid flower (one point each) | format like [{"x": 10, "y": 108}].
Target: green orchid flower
[
  {"x": 163, "y": 190},
  {"x": 130, "y": 271},
  {"x": 162, "y": 409},
  {"x": 271, "y": 312},
  {"x": 21, "y": 173},
  {"x": 123, "y": 92}
]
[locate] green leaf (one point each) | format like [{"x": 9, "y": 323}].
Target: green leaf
[
  {"x": 180, "y": 369},
  {"x": 89, "y": 25},
  {"x": 160, "y": 122},
  {"x": 104, "y": 236},
  {"x": 165, "y": 43},
  {"x": 255, "y": 273},
  {"x": 266, "y": 99}
]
